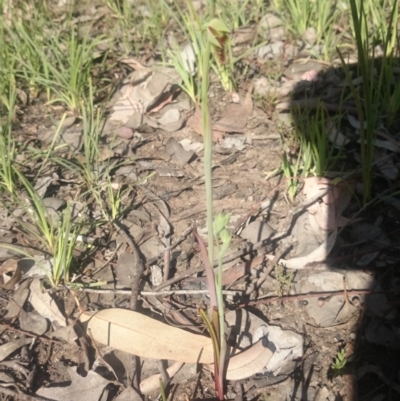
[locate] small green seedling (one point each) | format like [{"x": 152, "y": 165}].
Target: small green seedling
[
  {"x": 283, "y": 279},
  {"x": 339, "y": 362}
]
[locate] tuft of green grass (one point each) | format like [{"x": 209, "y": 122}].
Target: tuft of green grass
[
  {"x": 67, "y": 234},
  {"x": 187, "y": 60},
  {"x": 56, "y": 235},
  {"x": 8, "y": 149},
  {"x": 138, "y": 24},
  {"x": 376, "y": 89},
  {"x": 318, "y": 154},
  {"x": 56, "y": 62}
]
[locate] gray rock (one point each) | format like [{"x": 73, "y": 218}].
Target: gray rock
[{"x": 257, "y": 231}]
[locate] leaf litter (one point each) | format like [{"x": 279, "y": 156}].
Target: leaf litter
[{"x": 315, "y": 238}]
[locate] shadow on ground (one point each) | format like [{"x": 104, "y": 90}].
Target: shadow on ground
[{"x": 366, "y": 250}]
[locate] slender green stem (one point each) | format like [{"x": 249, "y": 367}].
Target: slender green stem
[{"x": 207, "y": 134}]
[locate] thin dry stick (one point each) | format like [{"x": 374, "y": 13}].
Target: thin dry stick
[
  {"x": 173, "y": 246},
  {"x": 167, "y": 263},
  {"x": 285, "y": 298},
  {"x": 157, "y": 293},
  {"x": 29, "y": 334},
  {"x": 107, "y": 261},
  {"x": 179, "y": 277}
]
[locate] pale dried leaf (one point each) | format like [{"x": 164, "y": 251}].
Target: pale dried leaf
[
  {"x": 124, "y": 109},
  {"x": 8, "y": 348},
  {"x": 176, "y": 151},
  {"x": 17, "y": 301},
  {"x": 89, "y": 388},
  {"x": 43, "y": 183},
  {"x": 33, "y": 322},
  {"x": 335, "y": 199},
  {"x": 140, "y": 335},
  {"x": 195, "y": 123},
  {"x": 249, "y": 362},
  {"x": 44, "y": 303},
  {"x": 132, "y": 63},
  {"x": 152, "y": 383}
]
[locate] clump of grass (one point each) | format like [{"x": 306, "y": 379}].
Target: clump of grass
[
  {"x": 375, "y": 91},
  {"x": 314, "y": 151},
  {"x": 56, "y": 235},
  {"x": 142, "y": 22},
  {"x": 189, "y": 59},
  {"x": 56, "y": 62},
  {"x": 8, "y": 150}
]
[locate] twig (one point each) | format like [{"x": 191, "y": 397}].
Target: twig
[
  {"x": 173, "y": 246},
  {"x": 107, "y": 261},
  {"x": 286, "y": 298},
  {"x": 157, "y": 293},
  {"x": 28, "y": 334},
  {"x": 167, "y": 263},
  {"x": 179, "y": 277}
]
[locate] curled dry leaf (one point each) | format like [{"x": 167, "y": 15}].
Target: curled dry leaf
[
  {"x": 144, "y": 90},
  {"x": 249, "y": 362},
  {"x": 140, "y": 335},
  {"x": 152, "y": 383},
  {"x": 44, "y": 304},
  {"x": 8, "y": 348},
  {"x": 328, "y": 213},
  {"x": 10, "y": 266},
  {"x": 288, "y": 346}
]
